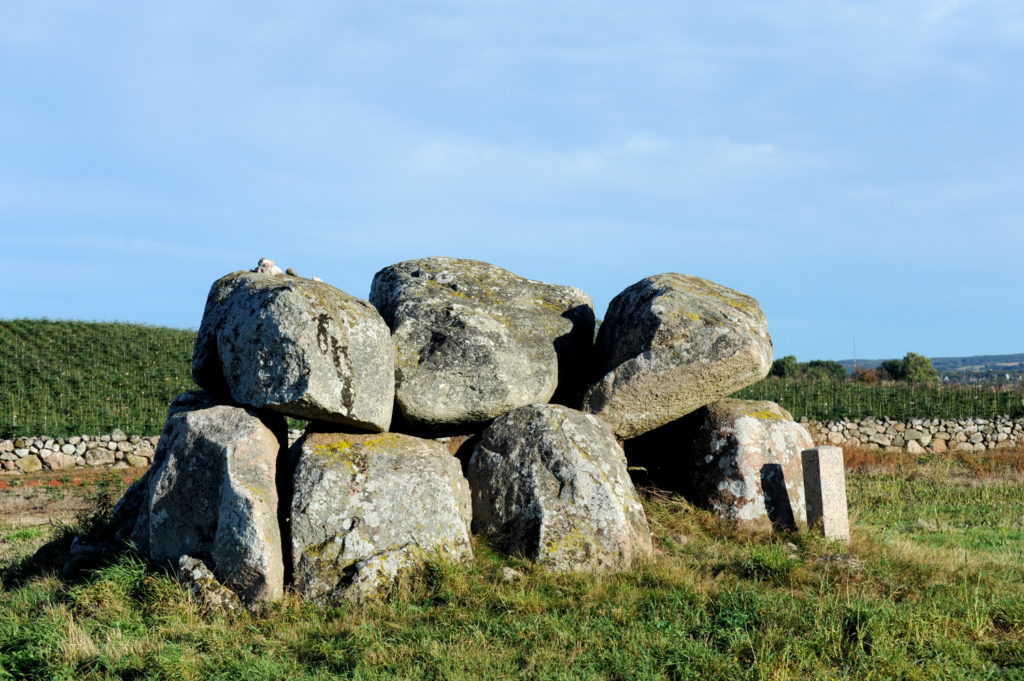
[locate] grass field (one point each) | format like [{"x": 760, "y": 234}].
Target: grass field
[{"x": 930, "y": 588}]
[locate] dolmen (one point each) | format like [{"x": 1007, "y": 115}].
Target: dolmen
[{"x": 446, "y": 347}]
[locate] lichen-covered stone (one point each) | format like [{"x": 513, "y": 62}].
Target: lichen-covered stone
[
  {"x": 296, "y": 346},
  {"x": 473, "y": 340},
  {"x": 62, "y": 461},
  {"x": 30, "y": 463},
  {"x": 550, "y": 483},
  {"x": 670, "y": 344},
  {"x": 136, "y": 461},
  {"x": 196, "y": 578},
  {"x": 747, "y": 464},
  {"x": 211, "y": 493},
  {"x": 99, "y": 456},
  {"x": 366, "y": 508}
]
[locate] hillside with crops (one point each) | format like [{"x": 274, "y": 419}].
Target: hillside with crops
[
  {"x": 71, "y": 378},
  {"x": 63, "y": 378}
]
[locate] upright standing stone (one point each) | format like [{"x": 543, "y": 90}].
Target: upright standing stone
[
  {"x": 366, "y": 508},
  {"x": 297, "y": 346},
  {"x": 825, "y": 491},
  {"x": 670, "y": 344},
  {"x": 473, "y": 341},
  {"x": 746, "y": 463},
  {"x": 212, "y": 493}
]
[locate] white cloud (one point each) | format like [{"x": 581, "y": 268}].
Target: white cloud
[
  {"x": 643, "y": 158},
  {"x": 645, "y": 142},
  {"x": 741, "y": 155},
  {"x": 940, "y": 10}
]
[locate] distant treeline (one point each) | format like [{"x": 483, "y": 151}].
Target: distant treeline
[
  {"x": 913, "y": 368},
  {"x": 950, "y": 365}
]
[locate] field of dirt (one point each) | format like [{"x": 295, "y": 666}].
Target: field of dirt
[{"x": 57, "y": 496}]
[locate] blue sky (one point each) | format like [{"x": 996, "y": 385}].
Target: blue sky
[{"x": 855, "y": 166}]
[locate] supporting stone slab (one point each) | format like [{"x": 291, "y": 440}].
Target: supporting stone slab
[{"x": 825, "y": 492}]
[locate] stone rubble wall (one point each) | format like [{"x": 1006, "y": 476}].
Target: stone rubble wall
[
  {"x": 919, "y": 436},
  {"x": 114, "y": 450},
  {"x": 916, "y": 436}
]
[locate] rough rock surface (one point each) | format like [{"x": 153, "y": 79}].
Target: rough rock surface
[
  {"x": 747, "y": 464},
  {"x": 211, "y": 493},
  {"x": 550, "y": 483},
  {"x": 473, "y": 340},
  {"x": 29, "y": 463},
  {"x": 199, "y": 580},
  {"x": 365, "y": 508},
  {"x": 825, "y": 492},
  {"x": 296, "y": 346},
  {"x": 670, "y": 344},
  {"x": 267, "y": 266}
]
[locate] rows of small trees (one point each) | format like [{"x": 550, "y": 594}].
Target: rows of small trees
[{"x": 913, "y": 368}]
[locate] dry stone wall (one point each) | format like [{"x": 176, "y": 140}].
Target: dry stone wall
[
  {"x": 916, "y": 436},
  {"x": 113, "y": 450},
  {"x": 116, "y": 449}
]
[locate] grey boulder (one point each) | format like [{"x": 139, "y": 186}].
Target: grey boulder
[
  {"x": 473, "y": 340},
  {"x": 670, "y": 344},
  {"x": 297, "y": 346},
  {"x": 197, "y": 579},
  {"x": 212, "y": 493},
  {"x": 550, "y": 483},
  {"x": 367, "y": 508},
  {"x": 747, "y": 464}
]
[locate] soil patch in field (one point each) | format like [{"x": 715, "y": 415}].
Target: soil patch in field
[
  {"x": 57, "y": 496},
  {"x": 959, "y": 468}
]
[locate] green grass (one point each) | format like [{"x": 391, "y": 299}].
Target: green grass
[
  {"x": 712, "y": 605},
  {"x": 25, "y": 534},
  {"x": 977, "y": 517},
  {"x": 77, "y": 378}
]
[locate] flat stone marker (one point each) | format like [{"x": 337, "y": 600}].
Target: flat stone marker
[{"x": 825, "y": 492}]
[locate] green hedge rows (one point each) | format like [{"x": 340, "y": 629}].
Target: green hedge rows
[
  {"x": 77, "y": 378},
  {"x": 835, "y": 400}
]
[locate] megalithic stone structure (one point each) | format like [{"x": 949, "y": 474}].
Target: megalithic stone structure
[{"x": 825, "y": 492}]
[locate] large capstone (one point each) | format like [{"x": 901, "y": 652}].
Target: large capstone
[
  {"x": 366, "y": 508},
  {"x": 297, "y": 346},
  {"x": 212, "y": 493},
  {"x": 671, "y": 344},
  {"x": 473, "y": 340},
  {"x": 747, "y": 466},
  {"x": 550, "y": 483}
]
